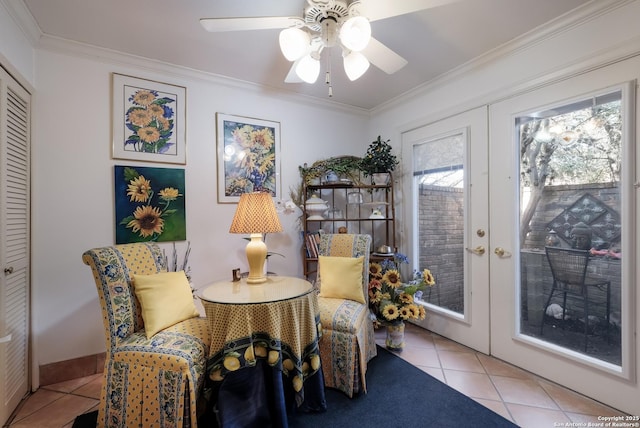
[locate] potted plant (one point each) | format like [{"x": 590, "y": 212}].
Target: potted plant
[{"x": 378, "y": 160}]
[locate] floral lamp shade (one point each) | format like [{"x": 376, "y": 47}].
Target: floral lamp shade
[{"x": 256, "y": 214}]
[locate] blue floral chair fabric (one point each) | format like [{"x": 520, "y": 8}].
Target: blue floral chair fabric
[
  {"x": 348, "y": 340},
  {"x": 146, "y": 382}
]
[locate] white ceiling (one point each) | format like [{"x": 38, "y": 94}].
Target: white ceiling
[{"x": 434, "y": 41}]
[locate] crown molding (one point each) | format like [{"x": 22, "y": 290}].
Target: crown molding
[{"x": 108, "y": 56}]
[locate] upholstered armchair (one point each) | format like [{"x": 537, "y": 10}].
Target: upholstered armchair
[
  {"x": 150, "y": 378},
  {"x": 347, "y": 342}
]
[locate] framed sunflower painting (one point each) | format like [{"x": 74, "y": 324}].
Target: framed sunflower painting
[
  {"x": 148, "y": 120},
  {"x": 150, "y": 204},
  {"x": 248, "y": 157}
]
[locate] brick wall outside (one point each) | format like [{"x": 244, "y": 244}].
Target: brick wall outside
[{"x": 441, "y": 242}]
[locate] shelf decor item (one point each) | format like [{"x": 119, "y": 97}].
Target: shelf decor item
[
  {"x": 379, "y": 160},
  {"x": 315, "y": 207},
  {"x": 342, "y": 167}
]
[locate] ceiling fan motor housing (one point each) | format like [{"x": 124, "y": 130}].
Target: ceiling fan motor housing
[{"x": 319, "y": 10}]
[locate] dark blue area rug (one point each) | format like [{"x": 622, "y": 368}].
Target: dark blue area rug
[
  {"x": 86, "y": 420},
  {"x": 400, "y": 395}
]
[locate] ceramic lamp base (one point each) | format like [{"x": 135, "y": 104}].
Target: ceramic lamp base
[{"x": 256, "y": 256}]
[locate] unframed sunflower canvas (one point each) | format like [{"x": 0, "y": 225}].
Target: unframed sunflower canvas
[{"x": 150, "y": 204}]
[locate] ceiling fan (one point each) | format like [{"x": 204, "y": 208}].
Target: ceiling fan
[{"x": 329, "y": 23}]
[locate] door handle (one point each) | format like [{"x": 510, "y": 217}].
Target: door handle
[
  {"x": 502, "y": 253},
  {"x": 8, "y": 271},
  {"x": 6, "y": 338},
  {"x": 479, "y": 250}
]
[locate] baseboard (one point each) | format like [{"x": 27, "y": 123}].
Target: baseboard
[{"x": 71, "y": 369}]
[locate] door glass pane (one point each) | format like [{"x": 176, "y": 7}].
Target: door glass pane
[
  {"x": 438, "y": 172},
  {"x": 570, "y": 226}
]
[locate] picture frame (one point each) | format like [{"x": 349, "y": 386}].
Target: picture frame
[
  {"x": 150, "y": 204},
  {"x": 148, "y": 120},
  {"x": 248, "y": 152}
]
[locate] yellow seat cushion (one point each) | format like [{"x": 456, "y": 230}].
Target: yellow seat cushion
[
  {"x": 165, "y": 299},
  {"x": 341, "y": 278}
]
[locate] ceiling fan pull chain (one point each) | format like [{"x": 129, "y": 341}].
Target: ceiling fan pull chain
[{"x": 328, "y": 75}]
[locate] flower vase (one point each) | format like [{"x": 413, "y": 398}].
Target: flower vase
[{"x": 395, "y": 336}]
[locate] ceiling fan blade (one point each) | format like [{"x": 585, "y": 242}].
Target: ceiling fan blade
[
  {"x": 253, "y": 23},
  {"x": 381, "y": 9},
  {"x": 292, "y": 76},
  {"x": 383, "y": 57}
]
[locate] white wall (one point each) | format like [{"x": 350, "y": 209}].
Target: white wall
[{"x": 73, "y": 202}]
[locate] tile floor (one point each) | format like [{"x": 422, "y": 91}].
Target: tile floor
[{"x": 519, "y": 396}]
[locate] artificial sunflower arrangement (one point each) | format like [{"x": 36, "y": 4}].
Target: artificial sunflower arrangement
[{"x": 391, "y": 300}]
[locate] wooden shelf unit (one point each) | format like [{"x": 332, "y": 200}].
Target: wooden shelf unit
[{"x": 344, "y": 212}]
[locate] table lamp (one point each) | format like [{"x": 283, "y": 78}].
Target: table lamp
[{"x": 255, "y": 215}]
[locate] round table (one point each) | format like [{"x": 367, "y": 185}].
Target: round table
[
  {"x": 261, "y": 333},
  {"x": 276, "y": 288}
]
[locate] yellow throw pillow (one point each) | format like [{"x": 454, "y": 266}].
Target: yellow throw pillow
[
  {"x": 341, "y": 277},
  {"x": 165, "y": 299}
]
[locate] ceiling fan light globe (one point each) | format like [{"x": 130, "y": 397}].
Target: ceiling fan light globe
[
  {"x": 294, "y": 43},
  {"x": 308, "y": 69},
  {"x": 355, "y": 65},
  {"x": 355, "y": 33}
]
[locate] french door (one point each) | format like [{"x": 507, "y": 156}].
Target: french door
[
  {"x": 447, "y": 216},
  {"x": 563, "y": 163},
  {"x": 487, "y": 190}
]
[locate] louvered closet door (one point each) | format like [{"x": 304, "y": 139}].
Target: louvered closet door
[{"x": 14, "y": 243}]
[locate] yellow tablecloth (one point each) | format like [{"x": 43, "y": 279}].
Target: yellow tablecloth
[{"x": 277, "y": 321}]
